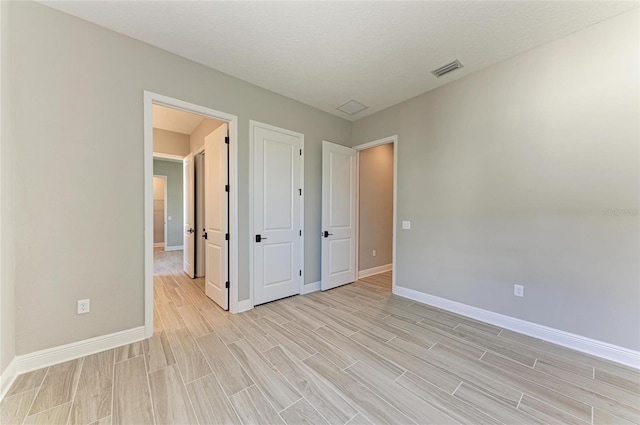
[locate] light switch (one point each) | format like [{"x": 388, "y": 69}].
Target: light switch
[{"x": 406, "y": 225}]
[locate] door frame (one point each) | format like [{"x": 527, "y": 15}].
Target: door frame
[
  {"x": 149, "y": 99},
  {"x": 166, "y": 224},
  {"x": 253, "y": 124},
  {"x": 384, "y": 141}
]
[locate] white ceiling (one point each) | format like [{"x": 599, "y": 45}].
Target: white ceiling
[
  {"x": 174, "y": 120},
  {"x": 327, "y": 53}
]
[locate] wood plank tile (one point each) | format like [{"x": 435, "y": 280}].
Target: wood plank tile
[
  {"x": 301, "y": 412},
  {"x": 58, "y": 386},
  {"x": 231, "y": 376},
  {"x": 170, "y": 400},
  {"x": 547, "y": 413},
  {"x": 210, "y": 402},
  {"x": 359, "y": 396},
  {"x": 321, "y": 345},
  {"x": 282, "y": 336},
  {"x": 316, "y": 391},
  {"x": 382, "y": 364},
  {"x": 53, "y": 416},
  {"x": 103, "y": 421},
  {"x": 620, "y": 379},
  {"x": 254, "y": 408},
  {"x": 13, "y": 409},
  {"x": 340, "y": 326},
  {"x": 196, "y": 324},
  {"x": 27, "y": 381},
  {"x": 360, "y": 419},
  {"x": 444, "y": 379},
  {"x": 188, "y": 356},
  {"x": 482, "y": 401},
  {"x": 603, "y": 417},
  {"x": 402, "y": 399},
  {"x": 256, "y": 336},
  {"x": 93, "y": 396},
  {"x": 449, "y": 404},
  {"x": 157, "y": 352},
  {"x": 523, "y": 375},
  {"x": 170, "y": 317},
  {"x": 275, "y": 387},
  {"x": 131, "y": 398}
]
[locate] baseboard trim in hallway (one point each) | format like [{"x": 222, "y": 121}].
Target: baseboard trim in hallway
[
  {"x": 50, "y": 356},
  {"x": 586, "y": 345},
  {"x": 375, "y": 270},
  {"x": 7, "y": 377}
]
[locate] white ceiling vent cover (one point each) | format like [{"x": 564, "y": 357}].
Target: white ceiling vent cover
[
  {"x": 352, "y": 107},
  {"x": 450, "y": 67}
]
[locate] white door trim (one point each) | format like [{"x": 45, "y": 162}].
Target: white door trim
[
  {"x": 169, "y": 156},
  {"x": 252, "y": 125},
  {"x": 386, "y": 140},
  {"x": 166, "y": 222},
  {"x": 149, "y": 99}
]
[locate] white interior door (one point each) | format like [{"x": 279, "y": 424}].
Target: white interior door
[
  {"x": 189, "y": 216},
  {"x": 276, "y": 213},
  {"x": 338, "y": 215},
  {"x": 216, "y": 211}
]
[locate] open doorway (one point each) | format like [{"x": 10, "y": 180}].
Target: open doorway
[
  {"x": 375, "y": 214},
  {"x": 359, "y": 216},
  {"x": 190, "y": 202}
]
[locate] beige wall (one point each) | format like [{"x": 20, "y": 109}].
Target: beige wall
[
  {"x": 175, "y": 199},
  {"x": 7, "y": 206},
  {"x": 203, "y": 130},
  {"x": 158, "y": 210},
  {"x": 509, "y": 176},
  {"x": 375, "y": 207},
  {"x": 170, "y": 142},
  {"x": 83, "y": 78}
]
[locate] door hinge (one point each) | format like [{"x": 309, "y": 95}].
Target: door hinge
[
  {"x": 226, "y": 237},
  {"x": 226, "y": 187},
  {"x": 300, "y": 272},
  {"x": 226, "y": 139},
  {"x": 300, "y": 152},
  {"x": 226, "y": 285},
  {"x": 300, "y": 232},
  {"x": 204, "y": 235},
  {"x": 300, "y": 190}
]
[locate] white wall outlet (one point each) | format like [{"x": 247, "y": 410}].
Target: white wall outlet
[
  {"x": 169, "y": 218},
  {"x": 374, "y": 252},
  {"x": 518, "y": 290},
  {"x": 406, "y": 225},
  {"x": 84, "y": 306}
]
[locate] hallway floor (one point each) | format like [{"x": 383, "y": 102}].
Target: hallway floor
[{"x": 356, "y": 354}]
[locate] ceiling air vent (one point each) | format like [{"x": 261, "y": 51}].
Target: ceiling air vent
[
  {"x": 450, "y": 67},
  {"x": 352, "y": 107}
]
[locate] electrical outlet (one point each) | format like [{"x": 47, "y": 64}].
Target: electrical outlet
[
  {"x": 374, "y": 252},
  {"x": 169, "y": 218},
  {"x": 84, "y": 306},
  {"x": 406, "y": 225},
  {"x": 518, "y": 290}
]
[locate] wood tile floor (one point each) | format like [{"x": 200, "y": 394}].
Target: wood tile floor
[{"x": 355, "y": 354}]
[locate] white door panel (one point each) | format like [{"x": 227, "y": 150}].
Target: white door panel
[
  {"x": 216, "y": 216},
  {"x": 189, "y": 216},
  {"x": 276, "y": 214},
  {"x": 338, "y": 215}
]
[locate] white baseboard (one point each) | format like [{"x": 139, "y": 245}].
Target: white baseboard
[
  {"x": 310, "y": 287},
  {"x": 74, "y": 350},
  {"x": 174, "y": 248},
  {"x": 566, "y": 339},
  {"x": 374, "y": 270},
  {"x": 244, "y": 305},
  {"x": 7, "y": 378},
  {"x": 158, "y": 245}
]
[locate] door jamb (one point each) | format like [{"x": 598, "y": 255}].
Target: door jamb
[
  {"x": 384, "y": 141},
  {"x": 252, "y": 124},
  {"x": 149, "y": 99}
]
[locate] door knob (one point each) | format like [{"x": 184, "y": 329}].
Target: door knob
[
  {"x": 191, "y": 230},
  {"x": 327, "y": 234},
  {"x": 259, "y": 238}
]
